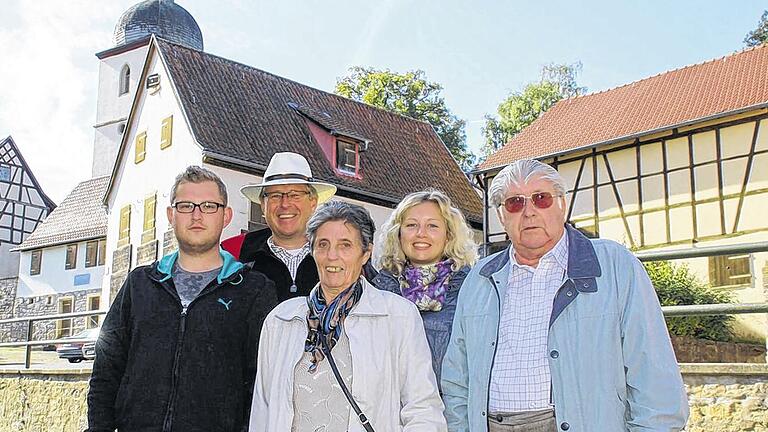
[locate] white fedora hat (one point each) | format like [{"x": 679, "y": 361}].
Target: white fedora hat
[{"x": 288, "y": 168}]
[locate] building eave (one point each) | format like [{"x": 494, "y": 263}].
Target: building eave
[
  {"x": 124, "y": 48},
  {"x": 633, "y": 136}
]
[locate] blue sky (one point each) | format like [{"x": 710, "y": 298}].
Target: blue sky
[{"x": 479, "y": 51}]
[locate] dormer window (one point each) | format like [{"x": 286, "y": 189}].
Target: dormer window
[
  {"x": 125, "y": 80},
  {"x": 347, "y": 159}
]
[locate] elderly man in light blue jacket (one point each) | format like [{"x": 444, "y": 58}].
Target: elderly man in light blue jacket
[{"x": 557, "y": 332}]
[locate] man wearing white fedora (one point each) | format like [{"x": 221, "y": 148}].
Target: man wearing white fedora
[{"x": 288, "y": 196}]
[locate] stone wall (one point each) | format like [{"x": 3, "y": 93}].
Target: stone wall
[
  {"x": 7, "y": 294},
  {"x": 727, "y": 397},
  {"x": 8, "y": 288},
  {"x": 722, "y": 398},
  {"x": 692, "y": 350},
  {"x": 44, "y": 305},
  {"x": 121, "y": 265},
  {"x": 41, "y": 403}
]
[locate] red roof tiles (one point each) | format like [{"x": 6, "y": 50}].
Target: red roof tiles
[{"x": 726, "y": 85}]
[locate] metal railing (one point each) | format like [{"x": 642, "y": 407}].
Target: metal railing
[
  {"x": 669, "y": 311},
  {"x": 29, "y": 343},
  {"x": 715, "y": 309},
  {"x": 703, "y": 252}
]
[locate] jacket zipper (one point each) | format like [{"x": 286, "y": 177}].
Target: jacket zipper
[
  {"x": 495, "y": 348},
  {"x": 168, "y": 421}
]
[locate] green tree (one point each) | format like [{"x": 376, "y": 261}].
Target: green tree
[
  {"x": 412, "y": 95},
  {"x": 519, "y": 109},
  {"x": 760, "y": 34},
  {"x": 676, "y": 285}
]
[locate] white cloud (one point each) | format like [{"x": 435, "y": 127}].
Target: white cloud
[{"x": 48, "y": 85}]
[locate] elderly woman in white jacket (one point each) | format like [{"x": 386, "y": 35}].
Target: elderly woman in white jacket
[{"x": 375, "y": 339}]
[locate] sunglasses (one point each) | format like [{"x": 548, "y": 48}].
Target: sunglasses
[{"x": 541, "y": 200}]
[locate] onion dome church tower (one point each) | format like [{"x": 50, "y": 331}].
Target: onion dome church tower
[{"x": 121, "y": 66}]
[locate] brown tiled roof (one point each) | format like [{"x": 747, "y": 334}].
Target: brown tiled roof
[
  {"x": 81, "y": 216},
  {"x": 715, "y": 88},
  {"x": 245, "y": 113}
]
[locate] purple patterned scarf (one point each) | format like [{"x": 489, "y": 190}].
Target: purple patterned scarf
[
  {"x": 326, "y": 321},
  {"x": 426, "y": 285}
]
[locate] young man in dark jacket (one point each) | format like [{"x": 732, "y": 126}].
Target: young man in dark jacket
[{"x": 177, "y": 351}]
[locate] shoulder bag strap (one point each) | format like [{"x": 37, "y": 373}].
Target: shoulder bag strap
[{"x": 360, "y": 415}]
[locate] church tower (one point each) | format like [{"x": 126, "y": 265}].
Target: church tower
[{"x": 120, "y": 69}]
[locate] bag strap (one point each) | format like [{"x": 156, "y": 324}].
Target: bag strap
[{"x": 360, "y": 415}]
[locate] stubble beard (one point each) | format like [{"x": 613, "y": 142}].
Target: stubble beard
[{"x": 195, "y": 249}]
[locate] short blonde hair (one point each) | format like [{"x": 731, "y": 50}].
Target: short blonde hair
[{"x": 460, "y": 246}]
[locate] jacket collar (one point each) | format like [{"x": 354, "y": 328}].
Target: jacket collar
[
  {"x": 255, "y": 242},
  {"x": 164, "y": 267},
  {"x": 582, "y": 261},
  {"x": 371, "y": 304}
]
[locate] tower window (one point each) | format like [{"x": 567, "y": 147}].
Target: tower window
[{"x": 125, "y": 80}]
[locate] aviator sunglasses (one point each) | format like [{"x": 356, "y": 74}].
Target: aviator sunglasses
[{"x": 541, "y": 200}]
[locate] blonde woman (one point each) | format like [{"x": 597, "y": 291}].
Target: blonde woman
[{"x": 425, "y": 251}]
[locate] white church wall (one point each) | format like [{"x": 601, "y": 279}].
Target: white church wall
[
  {"x": 133, "y": 182},
  {"x": 112, "y": 107}
]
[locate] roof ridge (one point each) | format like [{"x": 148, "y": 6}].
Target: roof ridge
[
  {"x": 254, "y": 68},
  {"x": 678, "y": 69}
]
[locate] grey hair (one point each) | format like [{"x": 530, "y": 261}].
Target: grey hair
[
  {"x": 519, "y": 173},
  {"x": 349, "y": 213},
  {"x": 198, "y": 174}
]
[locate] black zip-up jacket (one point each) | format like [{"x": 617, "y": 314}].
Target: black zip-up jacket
[
  {"x": 161, "y": 367},
  {"x": 256, "y": 253}
]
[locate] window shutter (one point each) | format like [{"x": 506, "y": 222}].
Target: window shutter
[
  {"x": 150, "y": 204},
  {"x": 102, "y": 256},
  {"x": 166, "y": 133},
  {"x": 141, "y": 147},
  {"x": 124, "y": 237},
  {"x": 729, "y": 270}
]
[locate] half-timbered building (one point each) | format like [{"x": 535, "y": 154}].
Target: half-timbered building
[
  {"x": 675, "y": 161},
  {"x": 23, "y": 205},
  {"x": 61, "y": 266}
]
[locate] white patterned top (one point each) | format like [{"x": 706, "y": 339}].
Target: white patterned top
[
  {"x": 319, "y": 404},
  {"x": 520, "y": 377}
]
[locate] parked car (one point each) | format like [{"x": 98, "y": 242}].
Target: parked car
[{"x": 76, "y": 352}]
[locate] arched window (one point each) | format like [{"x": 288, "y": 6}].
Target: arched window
[{"x": 125, "y": 80}]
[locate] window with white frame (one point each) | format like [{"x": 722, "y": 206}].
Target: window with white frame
[{"x": 346, "y": 156}]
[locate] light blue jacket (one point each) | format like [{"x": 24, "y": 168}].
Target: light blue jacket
[{"x": 610, "y": 357}]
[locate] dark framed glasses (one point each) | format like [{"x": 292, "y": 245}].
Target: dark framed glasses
[
  {"x": 541, "y": 200},
  {"x": 205, "y": 206},
  {"x": 293, "y": 196}
]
